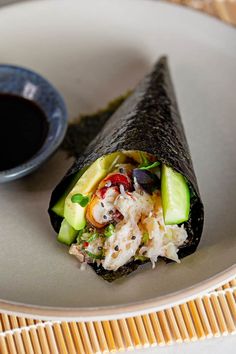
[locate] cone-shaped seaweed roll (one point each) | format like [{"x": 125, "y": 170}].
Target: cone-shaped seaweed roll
[{"x": 132, "y": 197}]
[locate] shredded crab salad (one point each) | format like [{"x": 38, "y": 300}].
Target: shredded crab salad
[{"x": 125, "y": 221}]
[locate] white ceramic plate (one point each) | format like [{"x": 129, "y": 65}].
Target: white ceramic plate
[{"x": 92, "y": 51}]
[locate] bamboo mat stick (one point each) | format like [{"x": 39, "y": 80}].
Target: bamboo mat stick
[
  {"x": 134, "y": 332},
  {"x": 219, "y": 314},
  {"x": 211, "y": 315},
  {"x": 109, "y": 336},
  {"x": 220, "y": 8},
  {"x": 117, "y": 335},
  {"x": 85, "y": 338},
  {"x": 196, "y": 320},
  {"x": 3, "y": 345},
  {"x": 206, "y": 7},
  {"x": 126, "y": 334},
  {"x": 233, "y": 284},
  {"x": 25, "y": 336},
  {"x": 149, "y": 330},
  {"x": 68, "y": 338},
  {"x": 101, "y": 337},
  {"x": 181, "y": 323},
  {"x": 42, "y": 338},
  {"x": 231, "y": 301},
  {"x": 157, "y": 329},
  {"x": 9, "y": 337},
  {"x": 34, "y": 337},
  {"x": 173, "y": 325},
  {"x": 51, "y": 339},
  {"x": 188, "y": 322},
  {"x": 227, "y": 315},
  {"x": 59, "y": 338},
  {"x": 232, "y": 11},
  {"x": 77, "y": 338},
  {"x": 142, "y": 332},
  {"x": 17, "y": 336},
  {"x": 93, "y": 337},
  {"x": 164, "y": 326},
  {"x": 203, "y": 317}
]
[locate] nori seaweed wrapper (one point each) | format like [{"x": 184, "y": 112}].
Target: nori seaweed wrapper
[
  {"x": 149, "y": 121},
  {"x": 88, "y": 126}
]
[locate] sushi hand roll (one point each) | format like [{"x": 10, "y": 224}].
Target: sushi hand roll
[{"x": 132, "y": 197}]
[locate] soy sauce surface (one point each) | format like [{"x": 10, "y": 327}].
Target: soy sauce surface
[{"x": 23, "y": 129}]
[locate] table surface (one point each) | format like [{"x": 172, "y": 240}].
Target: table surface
[{"x": 215, "y": 345}]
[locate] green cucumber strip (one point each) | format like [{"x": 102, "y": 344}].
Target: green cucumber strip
[
  {"x": 93, "y": 237},
  {"x": 149, "y": 167},
  {"x": 67, "y": 234},
  {"x": 94, "y": 256},
  {"x": 109, "y": 230},
  {"x": 175, "y": 196}
]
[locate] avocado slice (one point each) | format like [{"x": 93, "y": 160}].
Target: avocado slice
[
  {"x": 58, "y": 208},
  {"x": 87, "y": 184},
  {"x": 67, "y": 234},
  {"x": 175, "y": 196}
]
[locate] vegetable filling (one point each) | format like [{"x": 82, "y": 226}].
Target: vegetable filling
[{"x": 124, "y": 214}]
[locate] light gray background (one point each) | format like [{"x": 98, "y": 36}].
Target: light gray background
[
  {"x": 210, "y": 346},
  {"x": 217, "y": 346}
]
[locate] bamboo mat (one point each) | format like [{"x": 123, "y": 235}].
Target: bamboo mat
[
  {"x": 211, "y": 315},
  {"x": 225, "y": 10}
]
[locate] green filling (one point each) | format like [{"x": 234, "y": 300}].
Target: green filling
[
  {"x": 94, "y": 256},
  {"x": 175, "y": 196},
  {"x": 93, "y": 237},
  {"x": 67, "y": 234},
  {"x": 109, "y": 230},
  {"x": 58, "y": 208},
  {"x": 140, "y": 258},
  {"x": 72, "y": 205},
  {"x": 81, "y": 199},
  {"x": 76, "y": 200},
  {"x": 145, "y": 237},
  {"x": 149, "y": 167}
]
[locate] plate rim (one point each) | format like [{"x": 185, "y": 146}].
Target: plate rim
[
  {"x": 118, "y": 311},
  {"x": 127, "y": 309}
]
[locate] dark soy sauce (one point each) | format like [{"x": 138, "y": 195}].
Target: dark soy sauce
[{"x": 23, "y": 129}]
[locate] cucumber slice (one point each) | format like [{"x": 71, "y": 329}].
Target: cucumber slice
[
  {"x": 67, "y": 234},
  {"x": 175, "y": 196},
  {"x": 58, "y": 208}
]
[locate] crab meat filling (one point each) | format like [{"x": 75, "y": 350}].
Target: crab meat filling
[{"x": 127, "y": 225}]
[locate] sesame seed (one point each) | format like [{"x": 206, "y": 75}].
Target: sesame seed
[
  {"x": 116, "y": 248},
  {"x": 110, "y": 212},
  {"x": 104, "y": 217},
  {"x": 133, "y": 237},
  {"x": 102, "y": 204},
  {"x": 121, "y": 170},
  {"x": 99, "y": 248}
]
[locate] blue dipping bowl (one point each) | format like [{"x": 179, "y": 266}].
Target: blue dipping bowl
[{"x": 30, "y": 85}]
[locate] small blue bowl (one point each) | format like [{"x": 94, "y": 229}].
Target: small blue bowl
[{"x": 30, "y": 85}]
